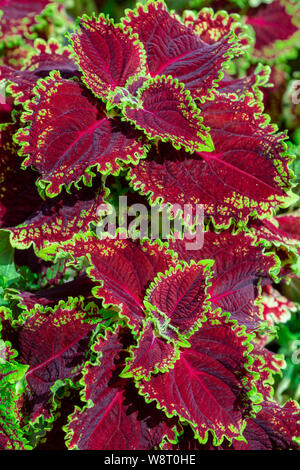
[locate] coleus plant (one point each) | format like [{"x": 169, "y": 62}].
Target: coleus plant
[{"x": 162, "y": 346}]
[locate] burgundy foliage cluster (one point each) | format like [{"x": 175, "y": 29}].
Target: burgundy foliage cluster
[{"x": 129, "y": 344}]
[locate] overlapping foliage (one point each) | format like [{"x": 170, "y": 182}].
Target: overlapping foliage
[{"x": 129, "y": 344}]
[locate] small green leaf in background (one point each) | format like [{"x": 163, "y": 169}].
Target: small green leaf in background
[
  {"x": 8, "y": 273},
  {"x": 288, "y": 386}
]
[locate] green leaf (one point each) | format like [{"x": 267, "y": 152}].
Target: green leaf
[{"x": 8, "y": 273}]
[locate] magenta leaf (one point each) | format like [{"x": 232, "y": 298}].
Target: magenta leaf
[
  {"x": 175, "y": 49},
  {"x": 75, "y": 134},
  {"x": 205, "y": 387},
  {"x": 107, "y": 55},
  {"x": 118, "y": 418},
  {"x": 167, "y": 111},
  {"x": 247, "y": 173}
]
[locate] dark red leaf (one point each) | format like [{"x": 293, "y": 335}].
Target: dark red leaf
[
  {"x": 205, "y": 387},
  {"x": 119, "y": 419},
  {"x": 151, "y": 355},
  {"x": 58, "y": 220},
  {"x": 239, "y": 268},
  {"x": 180, "y": 296},
  {"x": 70, "y": 134},
  {"x": 166, "y": 110},
  {"x": 107, "y": 55},
  {"x": 274, "y": 428},
  {"x": 247, "y": 173},
  {"x": 54, "y": 343},
  {"x": 175, "y": 49}
]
